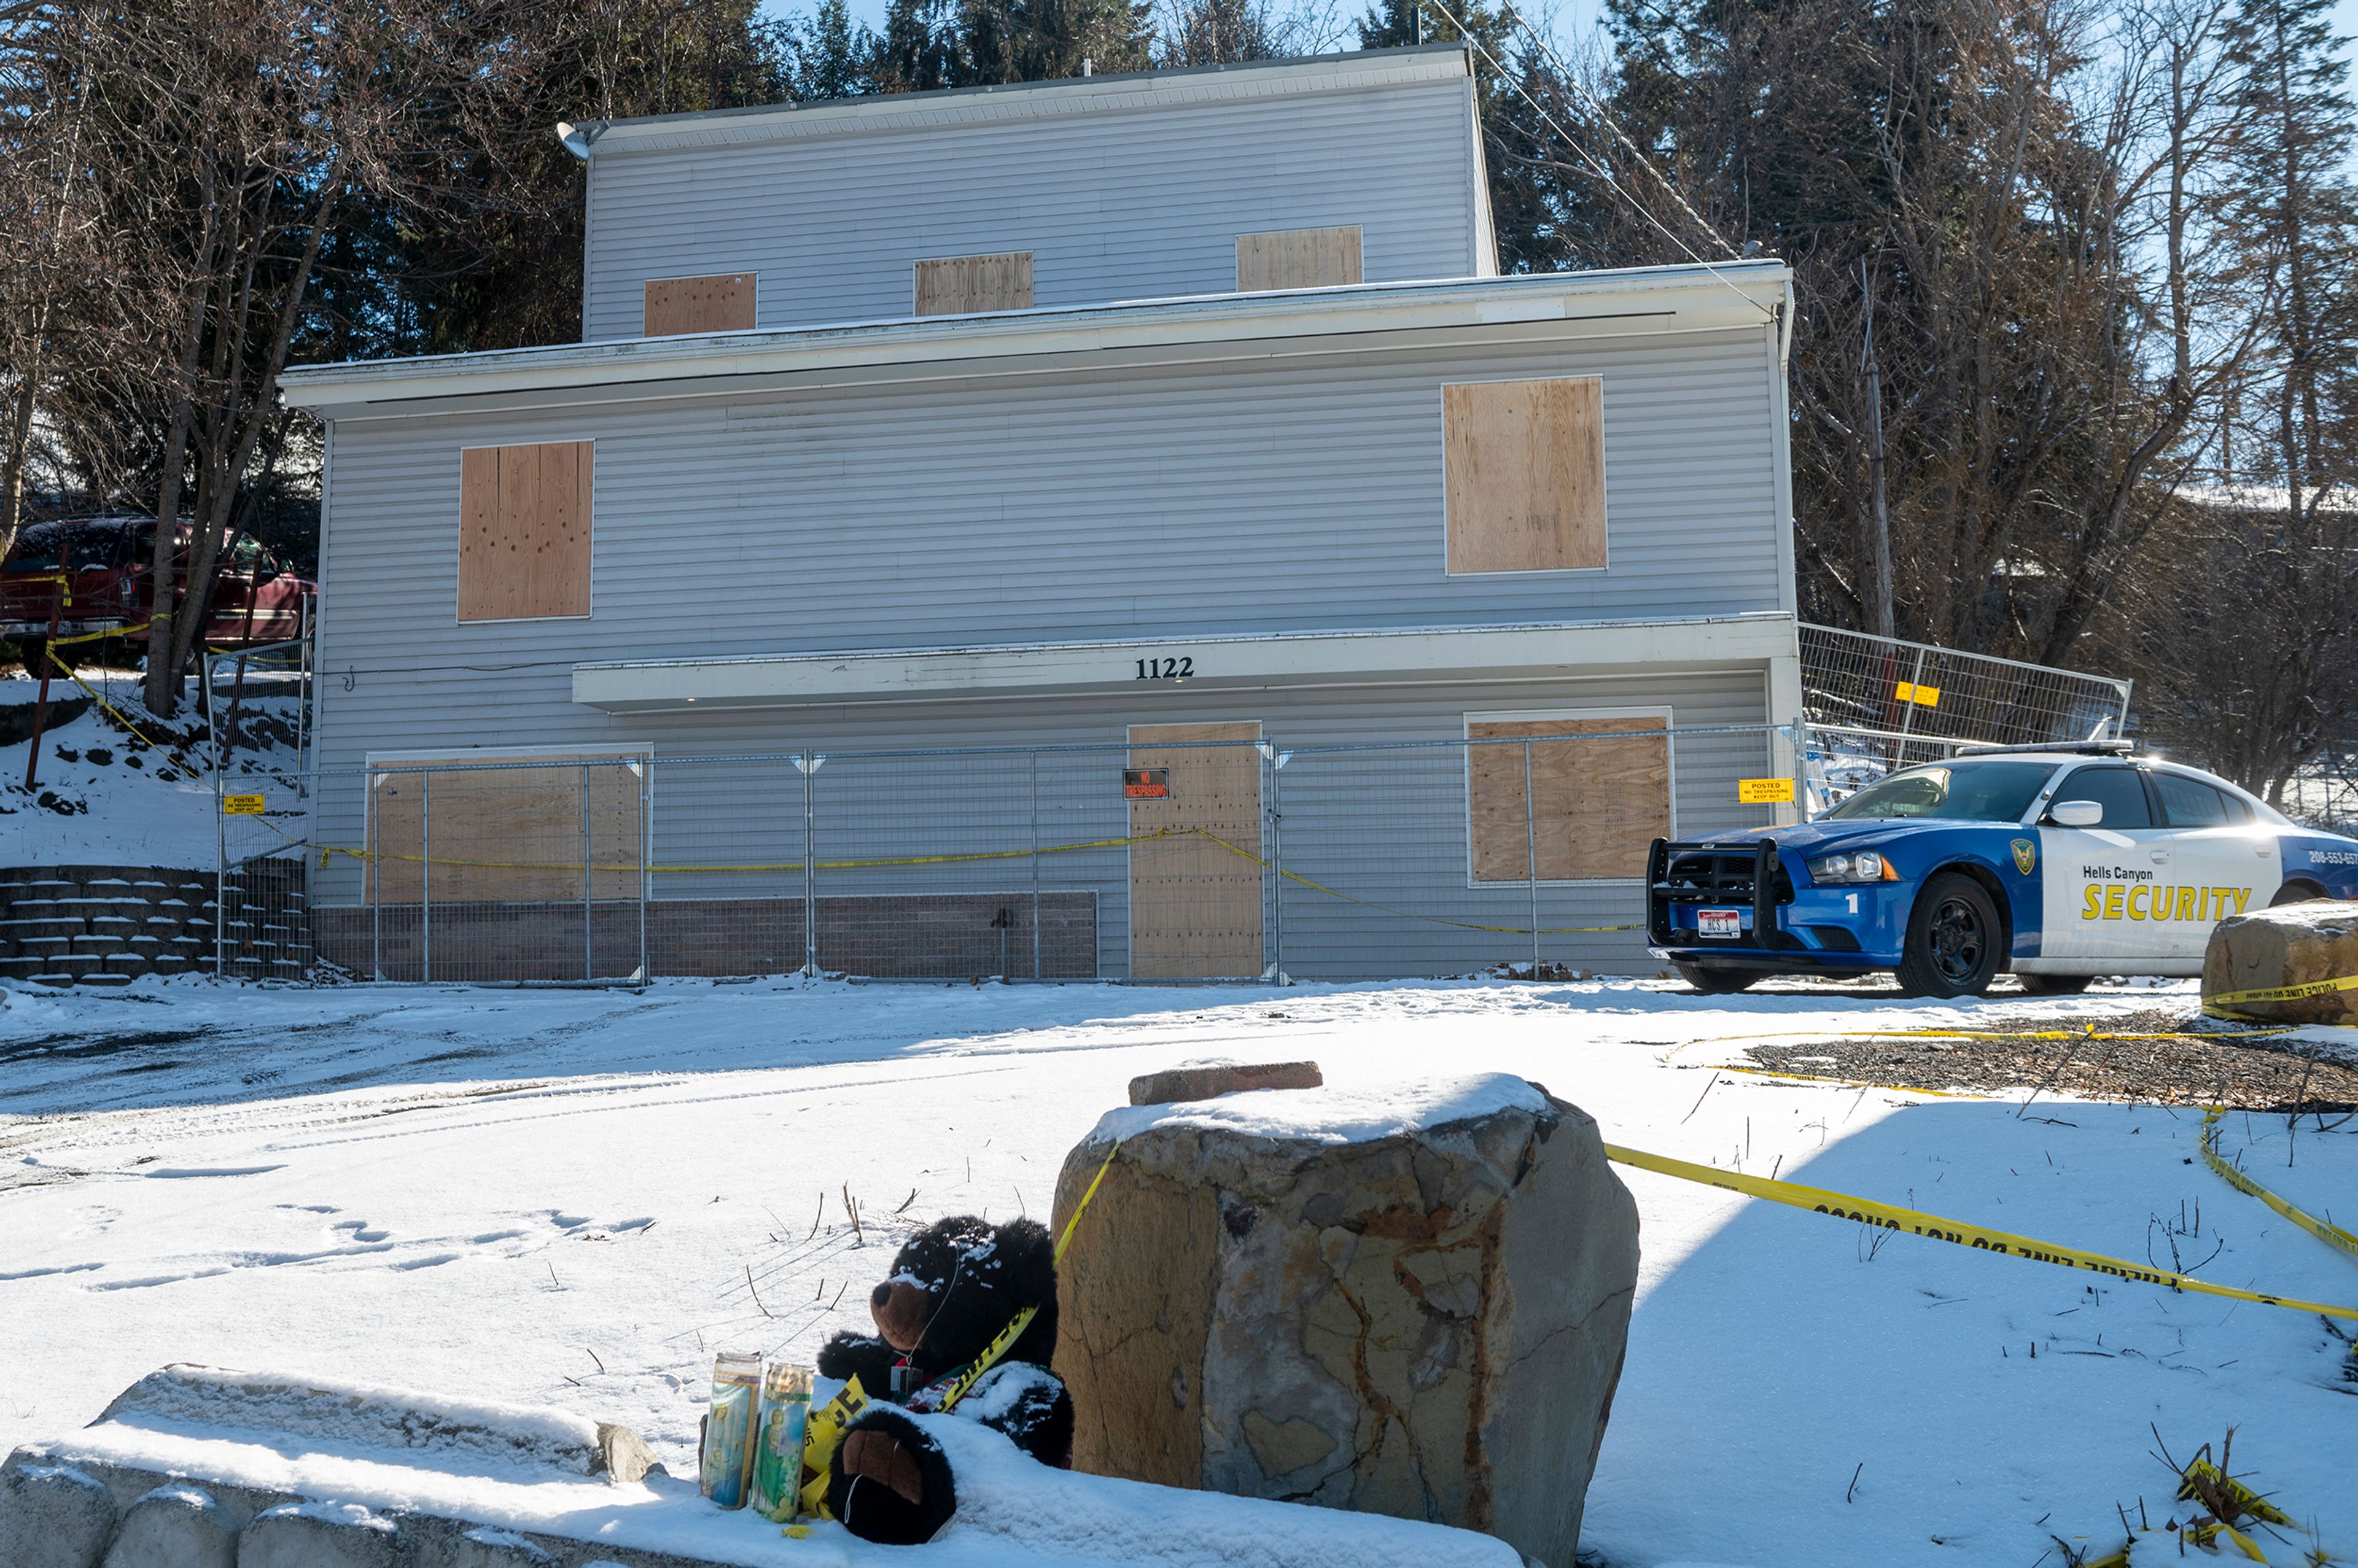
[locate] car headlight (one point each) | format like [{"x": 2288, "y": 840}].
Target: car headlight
[{"x": 1853, "y": 866}]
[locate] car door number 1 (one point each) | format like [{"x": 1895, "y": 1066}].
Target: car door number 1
[{"x": 1854, "y": 902}]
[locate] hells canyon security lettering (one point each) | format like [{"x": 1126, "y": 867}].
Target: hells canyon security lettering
[{"x": 2136, "y": 896}]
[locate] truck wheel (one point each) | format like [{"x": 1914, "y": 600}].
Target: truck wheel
[
  {"x": 1715, "y": 982},
  {"x": 2298, "y": 892},
  {"x": 1953, "y": 940},
  {"x": 2054, "y": 985}
]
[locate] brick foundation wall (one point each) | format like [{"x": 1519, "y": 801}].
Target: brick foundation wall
[{"x": 924, "y": 936}]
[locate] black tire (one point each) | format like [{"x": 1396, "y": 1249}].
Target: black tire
[
  {"x": 1956, "y": 943},
  {"x": 2298, "y": 893},
  {"x": 2055, "y": 985},
  {"x": 1714, "y": 981}
]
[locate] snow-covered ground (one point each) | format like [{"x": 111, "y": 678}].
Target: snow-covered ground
[
  {"x": 574, "y": 1198},
  {"x": 103, "y": 798}
]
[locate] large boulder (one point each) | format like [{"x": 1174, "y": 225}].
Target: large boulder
[
  {"x": 53, "y": 1516},
  {"x": 173, "y": 1527},
  {"x": 1412, "y": 1302},
  {"x": 2293, "y": 956}
]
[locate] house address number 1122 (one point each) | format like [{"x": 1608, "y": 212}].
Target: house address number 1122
[{"x": 1178, "y": 668}]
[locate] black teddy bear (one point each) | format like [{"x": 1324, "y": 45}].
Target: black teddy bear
[{"x": 956, "y": 1285}]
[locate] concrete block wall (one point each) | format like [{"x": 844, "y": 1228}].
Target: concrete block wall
[
  {"x": 107, "y": 925},
  {"x": 86, "y": 1514}
]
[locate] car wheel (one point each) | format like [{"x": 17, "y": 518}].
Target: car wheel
[
  {"x": 2055, "y": 985},
  {"x": 2296, "y": 893},
  {"x": 1955, "y": 941},
  {"x": 1714, "y": 983}
]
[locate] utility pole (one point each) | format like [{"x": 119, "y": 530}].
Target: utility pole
[{"x": 1878, "y": 522}]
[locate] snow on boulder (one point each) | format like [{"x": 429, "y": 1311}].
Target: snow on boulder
[
  {"x": 1409, "y": 1302},
  {"x": 2288, "y": 948}
]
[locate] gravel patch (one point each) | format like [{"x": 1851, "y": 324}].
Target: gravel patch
[{"x": 2196, "y": 1068}]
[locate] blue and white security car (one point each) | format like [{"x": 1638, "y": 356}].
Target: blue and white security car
[{"x": 2060, "y": 863}]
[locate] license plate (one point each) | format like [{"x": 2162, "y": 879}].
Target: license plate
[{"x": 1719, "y": 922}]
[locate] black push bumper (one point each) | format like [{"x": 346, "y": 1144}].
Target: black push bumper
[{"x": 1683, "y": 875}]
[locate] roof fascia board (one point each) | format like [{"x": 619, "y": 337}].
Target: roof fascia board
[
  {"x": 1223, "y": 662},
  {"x": 1214, "y": 327},
  {"x": 1085, "y": 94}
]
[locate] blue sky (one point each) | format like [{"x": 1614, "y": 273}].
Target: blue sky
[{"x": 1567, "y": 20}]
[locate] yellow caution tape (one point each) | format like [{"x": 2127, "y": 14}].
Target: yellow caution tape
[
  {"x": 365, "y": 855},
  {"x": 2281, "y": 993},
  {"x": 966, "y": 1381},
  {"x": 1890, "y": 1217},
  {"x": 2324, "y": 1231},
  {"x": 2203, "y": 1477},
  {"x": 328, "y": 850}
]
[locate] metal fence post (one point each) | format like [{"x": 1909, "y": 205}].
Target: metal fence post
[
  {"x": 1034, "y": 755},
  {"x": 589, "y": 912},
  {"x": 1277, "y": 761},
  {"x": 809, "y": 762},
  {"x": 646, "y": 769},
  {"x": 221, "y": 866},
  {"x": 1908, "y": 708},
  {"x": 1532, "y": 856},
  {"x": 373, "y": 869},
  {"x": 426, "y": 877}
]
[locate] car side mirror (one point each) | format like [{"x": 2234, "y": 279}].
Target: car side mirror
[{"x": 2076, "y": 814}]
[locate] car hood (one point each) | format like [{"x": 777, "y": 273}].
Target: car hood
[{"x": 1810, "y": 839}]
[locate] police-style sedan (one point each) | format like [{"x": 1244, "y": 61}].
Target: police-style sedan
[{"x": 2058, "y": 863}]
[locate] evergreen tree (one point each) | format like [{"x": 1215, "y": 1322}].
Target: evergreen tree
[
  {"x": 2297, "y": 213},
  {"x": 829, "y": 55}
]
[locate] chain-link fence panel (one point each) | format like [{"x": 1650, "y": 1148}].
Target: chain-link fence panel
[
  {"x": 1877, "y": 703},
  {"x": 1190, "y": 854}
]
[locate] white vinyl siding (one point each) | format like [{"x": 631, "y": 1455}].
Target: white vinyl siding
[{"x": 1115, "y": 204}]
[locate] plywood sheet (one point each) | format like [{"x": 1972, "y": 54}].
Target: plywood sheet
[
  {"x": 486, "y": 834},
  {"x": 1195, "y": 905},
  {"x": 1598, "y": 804},
  {"x": 1525, "y": 474},
  {"x": 524, "y": 531},
  {"x": 1297, "y": 258},
  {"x": 722, "y": 303},
  {"x": 957, "y": 285}
]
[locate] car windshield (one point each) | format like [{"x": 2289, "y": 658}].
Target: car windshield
[{"x": 1971, "y": 792}]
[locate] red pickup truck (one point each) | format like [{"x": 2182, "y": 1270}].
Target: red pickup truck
[{"x": 108, "y": 561}]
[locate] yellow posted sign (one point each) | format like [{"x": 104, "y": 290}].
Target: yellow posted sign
[
  {"x": 1921, "y": 695},
  {"x": 1765, "y": 792},
  {"x": 241, "y": 805}
]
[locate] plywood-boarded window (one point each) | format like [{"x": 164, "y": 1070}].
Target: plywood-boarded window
[
  {"x": 1194, "y": 888},
  {"x": 959, "y": 285},
  {"x": 524, "y": 531},
  {"x": 556, "y": 828},
  {"x": 1595, "y": 803},
  {"x": 1297, "y": 258},
  {"x": 722, "y": 303},
  {"x": 1525, "y": 474}
]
